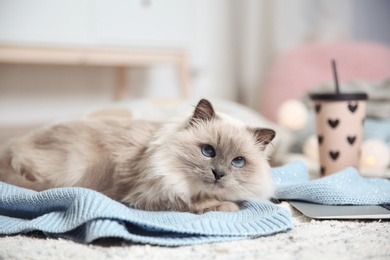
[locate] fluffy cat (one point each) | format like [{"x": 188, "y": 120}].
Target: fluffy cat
[{"x": 207, "y": 162}]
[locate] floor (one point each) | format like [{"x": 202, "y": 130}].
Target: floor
[{"x": 309, "y": 239}]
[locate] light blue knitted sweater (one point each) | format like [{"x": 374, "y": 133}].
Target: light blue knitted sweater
[{"x": 84, "y": 215}]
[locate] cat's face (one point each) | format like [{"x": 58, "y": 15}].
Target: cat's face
[{"x": 222, "y": 157}]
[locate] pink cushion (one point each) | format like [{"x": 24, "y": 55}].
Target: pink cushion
[{"x": 309, "y": 65}]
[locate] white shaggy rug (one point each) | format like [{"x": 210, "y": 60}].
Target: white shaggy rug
[{"x": 309, "y": 239}]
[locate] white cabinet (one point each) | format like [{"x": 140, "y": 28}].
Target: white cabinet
[
  {"x": 45, "y": 21},
  {"x": 132, "y": 23},
  {"x": 155, "y": 23}
]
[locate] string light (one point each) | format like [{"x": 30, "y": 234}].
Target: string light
[
  {"x": 293, "y": 114},
  {"x": 375, "y": 154}
]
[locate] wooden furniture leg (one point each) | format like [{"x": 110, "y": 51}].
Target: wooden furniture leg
[
  {"x": 183, "y": 76},
  {"x": 121, "y": 87}
]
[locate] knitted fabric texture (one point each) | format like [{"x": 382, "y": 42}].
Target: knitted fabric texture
[
  {"x": 346, "y": 187},
  {"x": 84, "y": 215}
]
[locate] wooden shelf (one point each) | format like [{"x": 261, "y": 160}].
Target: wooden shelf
[{"x": 108, "y": 57}]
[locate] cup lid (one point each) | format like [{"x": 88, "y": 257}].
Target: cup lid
[{"x": 338, "y": 96}]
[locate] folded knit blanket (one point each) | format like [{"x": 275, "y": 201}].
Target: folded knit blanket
[
  {"x": 346, "y": 187},
  {"x": 84, "y": 215}
]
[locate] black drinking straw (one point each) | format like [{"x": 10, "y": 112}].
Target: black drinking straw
[
  {"x": 336, "y": 80},
  {"x": 342, "y": 96}
]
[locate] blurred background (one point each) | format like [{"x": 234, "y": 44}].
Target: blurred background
[{"x": 254, "y": 52}]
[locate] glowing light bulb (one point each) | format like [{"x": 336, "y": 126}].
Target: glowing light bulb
[
  {"x": 292, "y": 114},
  {"x": 370, "y": 160},
  {"x": 375, "y": 154}
]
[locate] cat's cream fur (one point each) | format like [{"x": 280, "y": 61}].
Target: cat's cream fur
[{"x": 147, "y": 165}]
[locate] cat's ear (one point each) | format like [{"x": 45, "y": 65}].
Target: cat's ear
[
  {"x": 203, "y": 111},
  {"x": 263, "y": 136}
]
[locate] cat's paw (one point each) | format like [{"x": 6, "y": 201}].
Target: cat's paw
[
  {"x": 224, "y": 206},
  {"x": 227, "y": 206}
]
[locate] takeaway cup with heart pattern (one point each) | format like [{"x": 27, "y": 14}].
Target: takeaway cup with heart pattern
[{"x": 339, "y": 127}]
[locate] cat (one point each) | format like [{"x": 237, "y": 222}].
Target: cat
[{"x": 207, "y": 162}]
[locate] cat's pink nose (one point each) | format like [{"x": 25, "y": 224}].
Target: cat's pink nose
[{"x": 218, "y": 175}]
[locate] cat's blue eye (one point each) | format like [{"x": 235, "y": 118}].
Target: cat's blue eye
[
  {"x": 238, "y": 162},
  {"x": 208, "y": 150}
]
